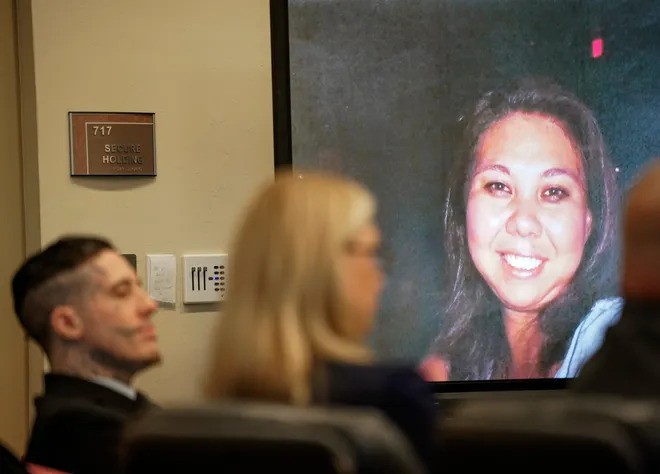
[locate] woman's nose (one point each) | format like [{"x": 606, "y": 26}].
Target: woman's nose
[{"x": 524, "y": 218}]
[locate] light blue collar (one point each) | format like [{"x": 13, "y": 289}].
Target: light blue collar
[{"x": 117, "y": 386}]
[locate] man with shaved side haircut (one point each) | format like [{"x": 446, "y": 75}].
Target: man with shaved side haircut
[{"x": 82, "y": 302}]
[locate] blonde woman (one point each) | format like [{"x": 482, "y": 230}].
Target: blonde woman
[{"x": 305, "y": 284}]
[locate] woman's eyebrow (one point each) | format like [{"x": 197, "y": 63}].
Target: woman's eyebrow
[
  {"x": 494, "y": 167},
  {"x": 575, "y": 176},
  {"x": 552, "y": 172}
]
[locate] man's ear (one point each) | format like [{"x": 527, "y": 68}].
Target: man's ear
[{"x": 66, "y": 323}]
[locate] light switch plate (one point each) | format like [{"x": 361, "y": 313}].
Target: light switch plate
[
  {"x": 161, "y": 278},
  {"x": 204, "y": 278}
]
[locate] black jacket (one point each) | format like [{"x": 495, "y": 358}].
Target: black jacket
[
  {"x": 78, "y": 425},
  {"x": 9, "y": 462},
  {"x": 397, "y": 391},
  {"x": 628, "y": 362}
]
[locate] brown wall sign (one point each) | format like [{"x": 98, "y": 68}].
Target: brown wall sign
[{"x": 112, "y": 144}]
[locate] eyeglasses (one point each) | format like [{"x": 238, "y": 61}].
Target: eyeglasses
[{"x": 380, "y": 253}]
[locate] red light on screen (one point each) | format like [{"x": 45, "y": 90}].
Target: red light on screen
[{"x": 596, "y": 48}]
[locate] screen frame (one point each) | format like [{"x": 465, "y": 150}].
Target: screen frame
[{"x": 283, "y": 159}]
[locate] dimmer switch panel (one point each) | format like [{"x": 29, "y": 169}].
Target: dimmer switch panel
[{"x": 205, "y": 278}]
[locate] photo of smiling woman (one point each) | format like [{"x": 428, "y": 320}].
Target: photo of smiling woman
[{"x": 530, "y": 223}]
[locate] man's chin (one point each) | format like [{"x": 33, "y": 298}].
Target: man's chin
[
  {"x": 152, "y": 360},
  {"x": 130, "y": 365}
]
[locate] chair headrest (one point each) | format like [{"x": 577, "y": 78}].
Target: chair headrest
[{"x": 350, "y": 436}]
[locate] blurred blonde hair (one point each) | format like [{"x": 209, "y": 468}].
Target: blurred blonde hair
[{"x": 285, "y": 307}]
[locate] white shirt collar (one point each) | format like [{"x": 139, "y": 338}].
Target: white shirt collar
[{"x": 117, "y": 386}]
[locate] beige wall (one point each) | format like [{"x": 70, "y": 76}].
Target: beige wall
[
  {"x": 13, "y": 397},
  {"x": 203, "y": 67}
]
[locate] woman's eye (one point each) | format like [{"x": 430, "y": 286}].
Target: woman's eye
[
  {"x": 497, "y": 188},
  {"x": 555, "y": 194}
]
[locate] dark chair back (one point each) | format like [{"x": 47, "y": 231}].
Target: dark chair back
[
  {"x": 76, "y": 435},
  {"x": 9, "y": 462},
  {"x": 247, "y": 437},
  {"x": 570, "y": 433}
]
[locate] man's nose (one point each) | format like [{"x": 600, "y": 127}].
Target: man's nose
[{"x": 149, "y": 305}]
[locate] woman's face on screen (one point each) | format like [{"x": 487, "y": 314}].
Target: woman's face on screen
[{"x": 527, "y": 215}]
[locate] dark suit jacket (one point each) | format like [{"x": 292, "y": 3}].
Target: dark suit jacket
[
  {"x": 78, "y": 425},
  {"x": 628, "y": 362},
  {"x": 9, "y": 462},
  {"x": 396, "y": 390}
]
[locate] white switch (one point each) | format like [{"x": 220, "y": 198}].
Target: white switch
[
  {"x": 204, "y": 278},
  {"x": 161, "y": 278}
]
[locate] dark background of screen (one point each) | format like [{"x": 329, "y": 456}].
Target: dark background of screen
[{"x": 378, "y": 89}]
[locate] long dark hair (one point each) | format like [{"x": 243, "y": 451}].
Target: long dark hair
[{"x": 472, "y": 336}]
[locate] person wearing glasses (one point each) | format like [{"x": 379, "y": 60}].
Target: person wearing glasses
[{"x": 305, "y": 288}]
